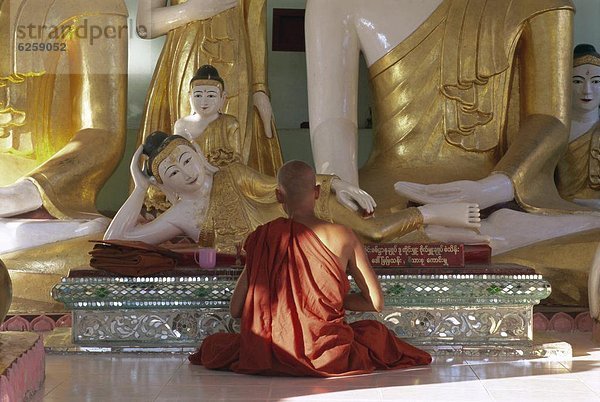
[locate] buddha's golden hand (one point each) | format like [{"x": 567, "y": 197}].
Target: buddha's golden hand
[{"x": 352, "y": 197}]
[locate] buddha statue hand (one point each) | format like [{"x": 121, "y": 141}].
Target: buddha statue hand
[
  {"x": 494, "y": 189},
  {"x": 142, "y": 181},
  {"x": 458, "y": 214},
  {"x": 455, "y": 235},
  {"x": 265, "y": 110},
  {"x": 140, "y": 178},
  {"x": 18, "y": 198},
  {"x": 352, "y": 197}
]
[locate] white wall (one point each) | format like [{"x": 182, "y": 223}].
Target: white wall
[{"x": 587, "y": 22}]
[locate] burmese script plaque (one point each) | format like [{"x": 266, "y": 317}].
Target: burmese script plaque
[{"x": 416, "y": 255}]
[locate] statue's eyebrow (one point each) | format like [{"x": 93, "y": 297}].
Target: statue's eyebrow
[
  {"x": 579, "y": 76},
  {"x": 167, "y": 169},
  {"x": 183, "y": 154}
]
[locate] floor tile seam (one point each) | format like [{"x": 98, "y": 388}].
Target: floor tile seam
[
  {"x": 53, "y": 388},
  {"x": 596, "y": 392},
  {"x": 166, "y": 383},
  {"x": 474, "y": 372}
]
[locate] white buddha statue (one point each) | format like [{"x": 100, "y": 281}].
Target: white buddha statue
[{"x": 216, "y": 133}]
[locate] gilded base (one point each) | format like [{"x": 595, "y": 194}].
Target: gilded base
[
  {"x": 34, "y": 272},
  {"x": 5, "y": 291},
  {"x": 564, "y": 262}
]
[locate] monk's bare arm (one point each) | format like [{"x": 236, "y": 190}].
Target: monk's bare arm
[
  {"x": 370, "y": 297},
  {"x": 236, "y": 306}
]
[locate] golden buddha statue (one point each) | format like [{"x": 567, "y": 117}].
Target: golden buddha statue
[
  {"x": 59, "y": 104},
  {"x": 471, "y": 103},
  {"x": 62, "y": 99},
  {"x": 578, "y": 172},
  {"x": 229, "y": 35}
]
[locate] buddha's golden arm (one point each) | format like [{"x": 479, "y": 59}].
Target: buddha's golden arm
[
  {"x": 256, "y": 26},
  {"x": 377, "y": 229}
]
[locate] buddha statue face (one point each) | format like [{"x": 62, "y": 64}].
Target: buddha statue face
[
  {"x": 182, "y": 171},
  {"x": 586, "y": 88},
  {"x": 207, "y": 100}
]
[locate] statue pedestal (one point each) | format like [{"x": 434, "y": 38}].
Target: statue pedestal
[
  {"x": 475, "y": 310},
  {"x": 20, "y": 234}
]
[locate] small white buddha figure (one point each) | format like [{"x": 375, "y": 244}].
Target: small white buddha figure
[{"x": 217, "y": 134}]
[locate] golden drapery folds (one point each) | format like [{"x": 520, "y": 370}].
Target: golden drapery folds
[
  {"x": 234, "y": 42},
  {"x": 578, "y": 173},
  {"x": 62, "y": 108},
  {"x": 221, "y": 141}
]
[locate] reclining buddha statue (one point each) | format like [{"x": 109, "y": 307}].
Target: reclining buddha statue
[{"x": 228, "y": 202}]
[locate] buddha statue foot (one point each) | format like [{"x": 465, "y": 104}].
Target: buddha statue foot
[
  {"x": 18, "y": 198},
  {"x": 19, "y": 234}
]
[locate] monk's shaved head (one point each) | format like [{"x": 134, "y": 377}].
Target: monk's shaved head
[{"x": 296, "y": 180}]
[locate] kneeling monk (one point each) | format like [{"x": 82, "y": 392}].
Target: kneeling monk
[{"x": 293, "y": 293}]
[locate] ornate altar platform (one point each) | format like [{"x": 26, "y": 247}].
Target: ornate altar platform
[{"x": 474, "y": 310}]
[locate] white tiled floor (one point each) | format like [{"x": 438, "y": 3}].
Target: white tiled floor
[{"x": 152, "y": 377}]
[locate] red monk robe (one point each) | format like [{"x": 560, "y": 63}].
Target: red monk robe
[{"x": 293, "y": 316}]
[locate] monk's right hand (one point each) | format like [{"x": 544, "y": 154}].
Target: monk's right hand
[
  {"x": 140, "y": 179},
  {"x": 456, "y": 214},
  {"x": 352, "y": 197}
]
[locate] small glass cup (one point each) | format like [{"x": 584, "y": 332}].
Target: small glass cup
[{"x": 206, "y": 257}]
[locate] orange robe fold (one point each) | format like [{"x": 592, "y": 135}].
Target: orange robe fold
[{"x": 293, "y": 317}]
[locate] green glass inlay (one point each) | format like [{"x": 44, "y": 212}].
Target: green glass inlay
[
  {"x": 102, "y": 292},
  {"x": 494, "y": 289}
]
